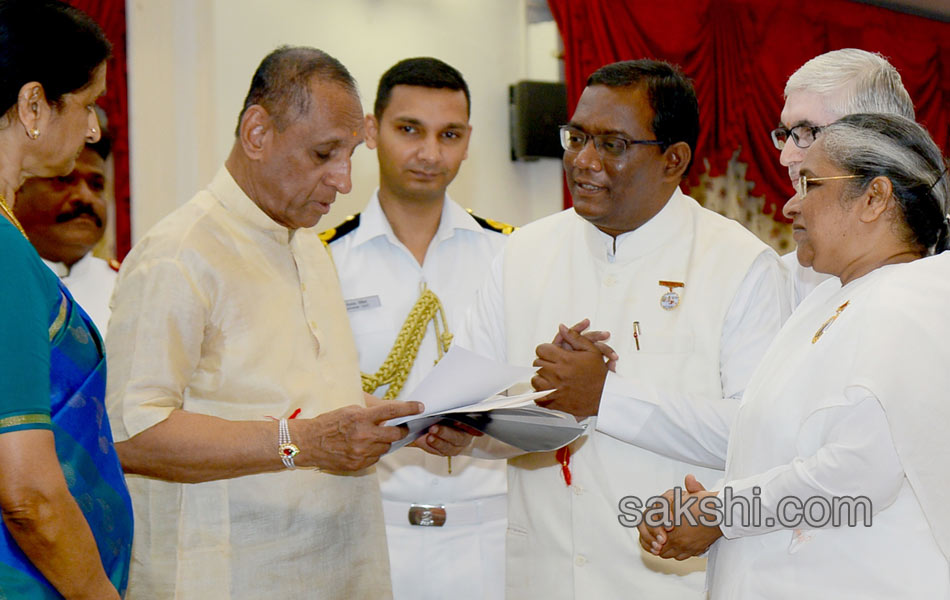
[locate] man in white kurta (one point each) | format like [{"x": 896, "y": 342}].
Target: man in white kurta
[
  {"x": 420, "y": 123},
  {"x": 227, "y": 313},
  {"x": 632, "y": 240}
]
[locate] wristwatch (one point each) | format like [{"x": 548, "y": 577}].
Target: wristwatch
[{"x": 287, "y": 449}]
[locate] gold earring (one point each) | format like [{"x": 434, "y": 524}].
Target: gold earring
[{"x": 34, "y": 133}]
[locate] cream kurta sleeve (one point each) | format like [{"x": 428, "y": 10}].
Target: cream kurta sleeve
[{"x": 153, "y": 344}]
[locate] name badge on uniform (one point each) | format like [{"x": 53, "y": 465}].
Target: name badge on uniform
[
  {"x": 671, "y": 299},
  {"x": 364, "y": 303}
]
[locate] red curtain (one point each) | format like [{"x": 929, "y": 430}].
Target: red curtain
[
  {"x": 110, "y": 15},
  {"x": 739, "y": 54}
]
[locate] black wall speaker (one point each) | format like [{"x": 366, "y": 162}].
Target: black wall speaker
[{"x": 536, "y": 110}]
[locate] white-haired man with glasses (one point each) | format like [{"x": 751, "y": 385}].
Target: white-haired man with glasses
[
  {"x": 691, "y": 301},
  {"x": 821, "y": 91}
]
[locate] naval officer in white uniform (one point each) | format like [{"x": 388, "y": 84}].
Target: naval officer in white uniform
[{"x": 410, "y": 264}]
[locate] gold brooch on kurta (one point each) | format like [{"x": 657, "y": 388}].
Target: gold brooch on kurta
[
  {"x": 824, "y": 326},
  {"x": 671, "y": 299}
]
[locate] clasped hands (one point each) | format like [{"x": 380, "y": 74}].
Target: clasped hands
[
  {"x": 680, "y": 528},
  {"x": 575, "y": 366}
]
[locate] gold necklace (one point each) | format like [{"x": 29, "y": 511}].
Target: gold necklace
[{"x": 8, "y": 212}]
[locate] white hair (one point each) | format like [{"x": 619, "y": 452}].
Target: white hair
[
  {"x": 853, "y": 81},
  {"x": 872, "y": 145}
]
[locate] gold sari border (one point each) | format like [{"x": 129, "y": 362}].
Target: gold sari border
[{"x": 16, "y": 420}]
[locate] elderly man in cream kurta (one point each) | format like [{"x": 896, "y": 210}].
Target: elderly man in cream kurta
[
  {"x": 691, "y": 300},
  {"x": 229, "y": 313}
]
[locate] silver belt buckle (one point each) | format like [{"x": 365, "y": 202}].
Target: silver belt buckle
[{"x": 427, "y": 515}]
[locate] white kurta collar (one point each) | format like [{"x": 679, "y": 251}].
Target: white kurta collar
[
  {"x": 670, "y": 221},
  {"x": 83, "y": 265},
  {"x": 59, "y": 268},
  {"x": 79, "y": 268}
]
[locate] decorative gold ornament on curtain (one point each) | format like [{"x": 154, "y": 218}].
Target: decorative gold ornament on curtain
[{"x": 728, "y": 195}]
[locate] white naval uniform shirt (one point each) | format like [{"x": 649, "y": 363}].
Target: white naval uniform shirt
[
  {"x": 90, "y": 280},
  {"x": 381, "y": 281},
  {"x": 691, "y": 370}
]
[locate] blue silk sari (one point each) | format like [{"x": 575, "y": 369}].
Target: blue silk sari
[{"x": 86, "y": 454}]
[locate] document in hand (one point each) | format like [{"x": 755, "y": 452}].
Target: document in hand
[{"x": 464, "y": 387}]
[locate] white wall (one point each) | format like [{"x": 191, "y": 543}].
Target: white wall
[{"x": 191, "y": 61}]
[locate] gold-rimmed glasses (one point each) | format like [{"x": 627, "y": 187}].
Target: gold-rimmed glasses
[{"x": 804, "y": 179}]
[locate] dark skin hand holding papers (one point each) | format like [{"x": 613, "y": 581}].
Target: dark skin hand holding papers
[
  {"x": 575, "y": 365},
  {"x": 440, "y": 440}
]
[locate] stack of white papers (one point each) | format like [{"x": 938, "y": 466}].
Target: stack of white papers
[{"x": 465, "y": 387}]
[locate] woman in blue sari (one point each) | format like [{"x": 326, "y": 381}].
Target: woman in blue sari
[{"x": 67, "y": 520}]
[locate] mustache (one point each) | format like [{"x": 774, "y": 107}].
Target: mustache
[{"x": 79, "y": 210}]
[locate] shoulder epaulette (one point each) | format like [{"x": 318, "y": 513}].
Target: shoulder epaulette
[
  {"x": 114, "y": 264},
  {"x": 331, "y": 235},
  {"x": 491, "y": 224}
]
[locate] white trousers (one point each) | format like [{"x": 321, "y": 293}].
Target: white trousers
[{"x": 464, "y": 559}]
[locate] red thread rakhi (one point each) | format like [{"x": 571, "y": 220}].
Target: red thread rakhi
[{"x": 563, "y": 456}]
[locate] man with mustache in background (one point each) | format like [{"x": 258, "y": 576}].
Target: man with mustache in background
[{"x": 65, "y": 217}]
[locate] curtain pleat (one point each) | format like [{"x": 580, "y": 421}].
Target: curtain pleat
[
  {"x": 739, "y": 54},
  {"x": 110, "y": 15}
]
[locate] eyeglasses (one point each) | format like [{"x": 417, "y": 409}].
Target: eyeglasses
[
  {"x": 611, "y": 146},
  {"x": 803, "y": 135},
  {"x": 803, "y": 181}
]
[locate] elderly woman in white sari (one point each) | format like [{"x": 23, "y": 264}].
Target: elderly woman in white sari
[{"x": 838, "y": 464}]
